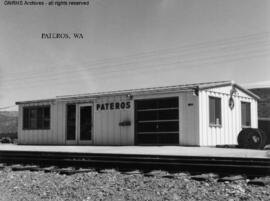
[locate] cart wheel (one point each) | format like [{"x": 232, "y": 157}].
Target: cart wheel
[{"x": 251, "y": 138}]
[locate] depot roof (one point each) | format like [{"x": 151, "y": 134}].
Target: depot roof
[{"x": 175, "y": 88}]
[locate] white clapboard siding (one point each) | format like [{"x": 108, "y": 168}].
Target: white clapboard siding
[
  {"x": 194, "y": 128},
  {"x": 36, "y": 136},
  {"x": 189, "y": 119},
  {"x": 59, "y": 138},
  {"x": 231, "y": 118},
  {"x": 107, "y": 130}
]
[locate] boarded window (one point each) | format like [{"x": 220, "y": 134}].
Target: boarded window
[
  {"x": 215, "y": 111},
  {"x": 36, "y": 117},
  {"x": 245, "y": 114}
]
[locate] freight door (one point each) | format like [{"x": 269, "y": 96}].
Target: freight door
[{"x": 157, "y": 121}]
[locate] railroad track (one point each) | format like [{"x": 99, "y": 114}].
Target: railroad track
[{"x": 220, "y": 165}]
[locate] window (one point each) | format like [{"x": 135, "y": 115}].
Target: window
[
  {"x": 36, "y": 117},
  {"x": 245, "y": 114},
  {"x": 215, "y": 111}
]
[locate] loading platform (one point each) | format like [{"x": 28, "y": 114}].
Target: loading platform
[
  {"x": 144, "y": 150},
  {"x": 193, "y": 159}
]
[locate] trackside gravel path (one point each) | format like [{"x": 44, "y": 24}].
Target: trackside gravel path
[{"x": 111, "y": 184}]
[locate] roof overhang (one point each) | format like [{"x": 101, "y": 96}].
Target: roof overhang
[
  {"x": 155, "y": 90},
  {"x": 42, "y": 101},
  {"x": 233, "y": 84}
]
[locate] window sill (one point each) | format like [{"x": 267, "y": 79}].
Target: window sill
[
  {"x": 246, "y": 126},
  {"x": 215, "y": 125}
]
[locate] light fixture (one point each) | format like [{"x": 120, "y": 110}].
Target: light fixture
[{"x": 129, "y": 96}]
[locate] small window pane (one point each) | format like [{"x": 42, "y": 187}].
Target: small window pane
[
  {"x": 33, "y": 118},
  {"x": 214, "y": 111},
  {"x": 46, "y": 124},
  {"x": 147, "y": 115},
  {"x": 148, "y": 138},
  {"x": 167, "y": 102},
  {"x": 168, "y": 138},
  {"x": 170, "y": 126},
  {"x": 168, "y": 114},
  {"x": 46, "y": 117},
  {"x": 245, "y": 114},
  {"x": 39, "y": 118},
  {"x": 25, "y": 118},
  {"x": 47, "y": 112},
  {"x": 147, "y": 104}
]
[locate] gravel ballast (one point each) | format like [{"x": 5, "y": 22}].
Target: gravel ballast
[{"x": 111, "y": 184}]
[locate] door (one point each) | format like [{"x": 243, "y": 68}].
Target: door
[
  {"x": 71, "y": 114},
  {"x": 157, "y": 121},
  {"x": 79, "y": 123},
  {"x": 85, "y": 124}
]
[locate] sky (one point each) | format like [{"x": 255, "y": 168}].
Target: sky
[{"x": 131, "y": 44}]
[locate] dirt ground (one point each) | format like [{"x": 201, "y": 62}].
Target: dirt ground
[{"x": 111, "y": 184}]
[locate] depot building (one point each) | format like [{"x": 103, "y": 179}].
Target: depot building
[{"x": 203, "y": 114}]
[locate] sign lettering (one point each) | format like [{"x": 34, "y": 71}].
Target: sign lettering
[{"x": 113, "y": 106}]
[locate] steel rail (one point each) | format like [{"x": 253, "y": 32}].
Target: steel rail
[{"x": 248, "y": 166}]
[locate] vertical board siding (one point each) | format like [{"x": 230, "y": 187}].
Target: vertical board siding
[
  {"x": 53, "y": 125},
  {"x": 59, "y": 138},
  {"x": 59, "y": 111},
  {"x": 111, "y": 133},
  {"x": 63, "y": 123},
  {"x": 20, "y": 135},
  {"x": 107, "y": 130},
  {"x": 231, "y": 118},
  {"x": 36, "y": 136},
  {"x": 194, "y": 126},
  {"x": 181, "y": 117},
  {"x": 97, "y": 127},
  {"x": 189, "y": 119},
  {"x": 254, "y": 116},
  {"x": 128, "y": 131}
]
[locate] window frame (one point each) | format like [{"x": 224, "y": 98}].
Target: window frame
[
  {"x": 214, "y": 124},
  {"x": 247, "y": 103},
  {"x": 40, "y": 118}
]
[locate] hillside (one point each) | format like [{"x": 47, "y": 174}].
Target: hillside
[
  {"x": 264, "y": 102},
  {"x": 8, "y": 121}
]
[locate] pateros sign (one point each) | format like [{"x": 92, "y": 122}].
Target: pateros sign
[{"x": 113, "y": 106}]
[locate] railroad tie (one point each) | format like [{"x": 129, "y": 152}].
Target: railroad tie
[{"x": 260, "y": 181}]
